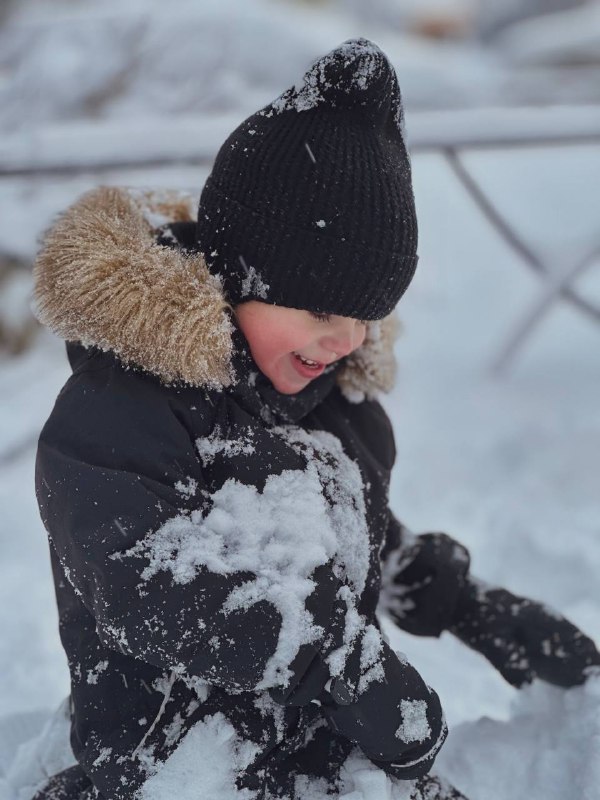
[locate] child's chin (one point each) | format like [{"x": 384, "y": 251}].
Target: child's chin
[
  {"x": 286, "y": 379},
  {"x": 286, "y": 388}
]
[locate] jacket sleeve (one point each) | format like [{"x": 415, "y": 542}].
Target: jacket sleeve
[
  {"x": 124, "y": 499},
  {"x": 421, "y": 579}
]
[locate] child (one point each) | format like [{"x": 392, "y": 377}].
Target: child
[{"x": 214, "y": 475}]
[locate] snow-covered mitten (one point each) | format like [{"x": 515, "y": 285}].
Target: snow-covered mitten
[
  {"x": 521, "y": 638},
  {"x": 397, "y": 720}
]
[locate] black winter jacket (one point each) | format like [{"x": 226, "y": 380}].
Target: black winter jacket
[{"x": 208, "y": 535}]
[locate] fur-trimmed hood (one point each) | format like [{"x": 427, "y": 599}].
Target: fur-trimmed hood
[{"x": 101, "y": 278}]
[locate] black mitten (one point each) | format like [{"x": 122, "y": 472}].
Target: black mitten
[
  {"x": 397, "y": 720},
  {"x": 521, "y": 638},
  {"x": 421, "y": 580},
  {"x": 311, "y": 685}
]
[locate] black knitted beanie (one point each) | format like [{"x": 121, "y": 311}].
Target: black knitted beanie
[{"x": 310, "y": 203}]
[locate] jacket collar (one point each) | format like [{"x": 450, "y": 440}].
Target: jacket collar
[{"x": 102, "y": 278}]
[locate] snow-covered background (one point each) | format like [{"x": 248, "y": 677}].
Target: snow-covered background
[{"x": 507, "y": 463}]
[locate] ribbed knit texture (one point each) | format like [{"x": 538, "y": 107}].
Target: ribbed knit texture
[{"x": 310, "y": 202}]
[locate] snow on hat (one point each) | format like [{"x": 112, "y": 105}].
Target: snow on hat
[{"x": 310, "y": 203}]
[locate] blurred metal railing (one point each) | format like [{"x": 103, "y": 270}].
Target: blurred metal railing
[
  {"x": 105, "y": 145},
  {"x": 501, "y": 129}
]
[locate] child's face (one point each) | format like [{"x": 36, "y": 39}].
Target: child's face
[{"x": 277, "y": 335}]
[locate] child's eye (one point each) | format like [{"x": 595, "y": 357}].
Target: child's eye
[{"x": 321, "y": 317}]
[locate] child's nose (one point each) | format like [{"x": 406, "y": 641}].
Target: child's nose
[{"x": 347, "y": 338}]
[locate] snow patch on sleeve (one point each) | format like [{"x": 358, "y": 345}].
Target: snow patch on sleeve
[
  {"x": 187, "y": 489},
  {"x": 92, "y": 675},
  {"x": 216, "y": 443},
  {"x": 344, "y": 490},
  {"x": 280, "y": 536},
  {"x": 268, "y": 708},
  {"x": 105, "y": 754}
]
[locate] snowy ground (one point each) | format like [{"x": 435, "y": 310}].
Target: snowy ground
[{"x": 507, "y": 465}]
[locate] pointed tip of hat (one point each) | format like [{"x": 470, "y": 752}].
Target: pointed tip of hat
[
  {"x": 356, "y": 72},
  {"x": 357, "y": 75}
]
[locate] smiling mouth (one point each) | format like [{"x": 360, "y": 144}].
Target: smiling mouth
[{"x": 309, "y": 362}]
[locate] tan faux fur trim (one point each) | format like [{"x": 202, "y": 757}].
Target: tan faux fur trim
[
  {"x": 372, "y": 368},
  {"x": 101, "y": 279}
]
